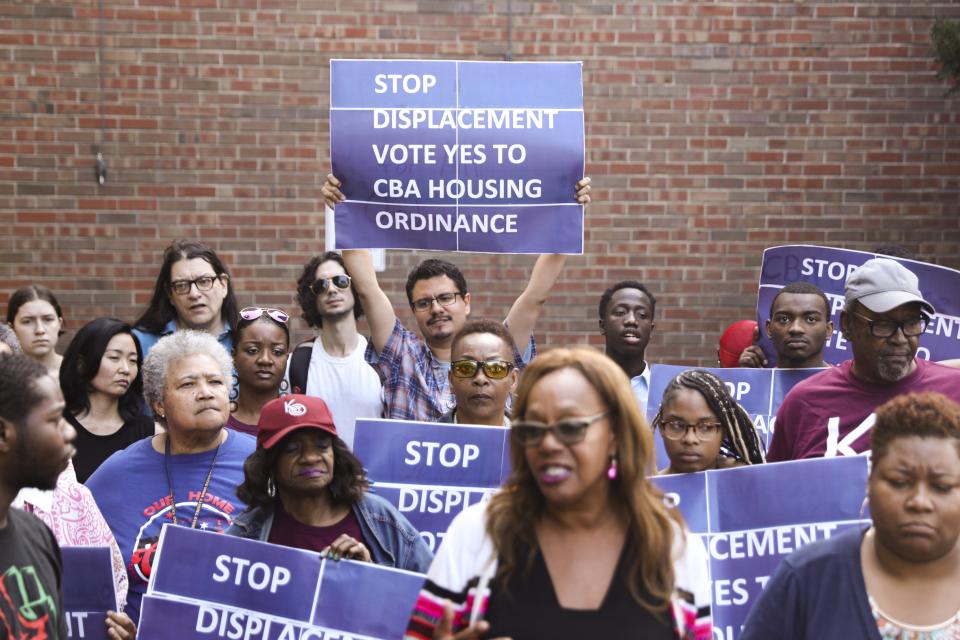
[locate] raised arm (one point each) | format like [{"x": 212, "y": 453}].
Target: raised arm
[
  {"x": 359, "y": 265},
  {"x": 525, "y": 311}
]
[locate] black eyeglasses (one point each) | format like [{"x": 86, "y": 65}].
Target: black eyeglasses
[
  {"x": 569, "y": 431},
  {"x": 676, "y": 429},
  {"x": 341, "y": 281},
  {"x": 885, "y": 327},
  {"x": 252, "y": 313},
  {"x": 469, "y": 367},
  {"x": 444, "y": 300},
  {"x": 204, "y": 283}
]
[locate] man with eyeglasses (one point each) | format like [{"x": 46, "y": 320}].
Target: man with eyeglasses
[
  {"x": 332, "y": 366},
  {"x": 482, "y": 374},
  {"x": 832, "y": 412},
  {"x": 415, "y": 370}
]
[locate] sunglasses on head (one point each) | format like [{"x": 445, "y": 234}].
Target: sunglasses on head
[
  {"x": 469, "y": 367},
  {"x": 341, "y": 281},
  {"x": 252, "y": 313}
]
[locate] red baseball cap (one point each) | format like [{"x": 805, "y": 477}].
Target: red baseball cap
[
  {"x": 734, "y": 340},
  {"x": 289, "y": 413}
]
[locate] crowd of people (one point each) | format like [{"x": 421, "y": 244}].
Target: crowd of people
[{"x": 202, "y": 414}]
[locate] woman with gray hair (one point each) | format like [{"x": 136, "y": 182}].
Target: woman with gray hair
[{"x": 187, "y": 475}]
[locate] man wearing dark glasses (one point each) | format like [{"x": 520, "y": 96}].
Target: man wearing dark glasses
[
  {"x": 414, "y": 368},
  {"x": 331, "y": 366},
  {"x": 832, "y": 412},
  {"x": 482, "y": 374}
]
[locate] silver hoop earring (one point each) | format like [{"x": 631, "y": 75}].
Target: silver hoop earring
[{"x": 271, "y": 488}]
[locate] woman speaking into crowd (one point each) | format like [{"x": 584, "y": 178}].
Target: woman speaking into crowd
[
  {"x": 308, "y": 491},
  {"x": 186, "y": 476},
  {"x": 898, "y": 579},
  {"x": 578, "y": 543}
]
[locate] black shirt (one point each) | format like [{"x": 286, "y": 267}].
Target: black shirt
[
  {"x": 92, "y": 449},
  {"x": 529, "y": 609},
  {"x": 30, "y": 573}
]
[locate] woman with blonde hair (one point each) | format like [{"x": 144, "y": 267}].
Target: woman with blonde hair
[{"x": 578, "y": 542}]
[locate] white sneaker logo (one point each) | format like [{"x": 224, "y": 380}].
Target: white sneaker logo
[{"x": 294, "y": 408}]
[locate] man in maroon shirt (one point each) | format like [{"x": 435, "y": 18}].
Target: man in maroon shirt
[{"x": 832, "y": 412}]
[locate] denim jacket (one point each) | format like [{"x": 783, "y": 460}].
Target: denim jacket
[{"x": 392, "y": 540}]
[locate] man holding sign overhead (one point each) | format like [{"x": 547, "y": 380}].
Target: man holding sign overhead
[{"x": 414, "y": 369}]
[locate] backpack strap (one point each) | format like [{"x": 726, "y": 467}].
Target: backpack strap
[{"x": 300, "y": 367}]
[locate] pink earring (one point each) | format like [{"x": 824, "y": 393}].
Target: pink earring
[{"x": 612, "y": 469}]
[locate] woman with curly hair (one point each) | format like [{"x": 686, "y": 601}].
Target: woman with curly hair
[
  {"x": 703, "y": 427},
  {"x": 578, "y": 543},
  {"x": 306, "y": 490}
]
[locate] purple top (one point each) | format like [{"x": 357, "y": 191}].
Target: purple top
[{"x": 242, "y": 427}]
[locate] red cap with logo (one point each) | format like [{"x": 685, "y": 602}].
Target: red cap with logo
[{"x": 289, "y": 413}]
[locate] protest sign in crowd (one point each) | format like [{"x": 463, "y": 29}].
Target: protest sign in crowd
[{"x": 194, "y": 474}]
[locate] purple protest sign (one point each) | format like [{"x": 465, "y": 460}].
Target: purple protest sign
[
  {"x": 206, "y": 585},
  {"x": 88, "y": 591},
  {"x": 750, "y": 518},
  {"x": 828, "y": 269},
  {"x": 457, "y": 156},
  {"x": 431, "y": 472}
]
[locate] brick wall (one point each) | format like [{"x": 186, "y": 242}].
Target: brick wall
[{"x": 714, "y": 129}]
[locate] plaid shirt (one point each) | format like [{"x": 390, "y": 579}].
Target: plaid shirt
[{"x": 415, "y": 382}]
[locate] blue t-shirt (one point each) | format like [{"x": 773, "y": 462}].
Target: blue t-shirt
[{"x": 132, "y": 492}]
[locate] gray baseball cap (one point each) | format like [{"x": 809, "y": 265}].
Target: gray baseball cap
[{"x": 882, "y": 284}]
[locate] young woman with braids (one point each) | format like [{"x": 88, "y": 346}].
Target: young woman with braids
[
  {"x": 703, "y": 427},
  {"x": 578, "y": 543}
]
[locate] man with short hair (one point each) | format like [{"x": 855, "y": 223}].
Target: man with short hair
[
  {"x": 483, "y": 374},
  {"x": 831, "y": 413},
  {"x": 332, "y": 366},
  {"x": 798, "y": 328},
  {"x": 626, "y": 322},
  {"x": 34, "y": 449},
  {"x": 414, "y": 370}
]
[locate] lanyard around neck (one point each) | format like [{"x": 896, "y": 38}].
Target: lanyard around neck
[{"x": 203, "y": 492}]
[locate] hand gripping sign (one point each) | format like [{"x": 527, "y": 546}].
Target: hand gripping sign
[
  {"x": 458, "y": 156},
  {"x": 207, "y": 585}
]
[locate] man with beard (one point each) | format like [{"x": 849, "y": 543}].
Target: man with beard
[
  {"x": 798, "y": 329},
  {"x": 34, "y": 448},
  {"x": 626, "y": 322},
  {"x": 832, "y": 412},
  {"x": 332, "y": 365}
]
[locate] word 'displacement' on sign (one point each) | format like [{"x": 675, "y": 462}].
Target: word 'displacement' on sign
[
  {"x": 750, "y": 518},
  {"x": 457, "y": 156},
  {"x": 208, "y": 585},
  {"x": 828, "y": 268},
  {"x": 431, "y": 472}
]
